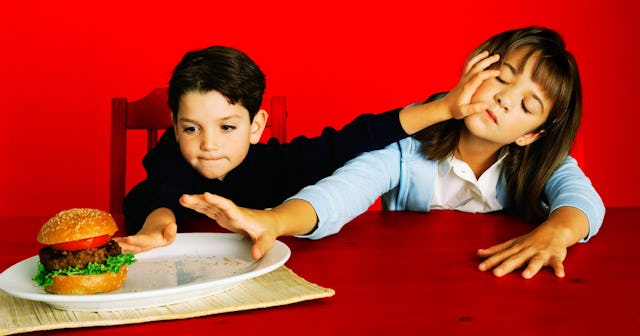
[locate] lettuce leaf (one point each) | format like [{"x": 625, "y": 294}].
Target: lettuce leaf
[{"x": 112, "y": 264}]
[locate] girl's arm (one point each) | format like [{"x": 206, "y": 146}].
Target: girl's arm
[
  {"x": 339, "y": 198},
  {"x": 352, "y": 189},
  {"x": 315, "y": 212},
  {"x": 577, "y": 212},
  {"x": 546, "y": 245},
  {"x": 569, "y": 186},
  {"x": 294, "y": 217}
]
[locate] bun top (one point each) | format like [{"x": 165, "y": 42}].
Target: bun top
[{"x": 76, "y": 224}]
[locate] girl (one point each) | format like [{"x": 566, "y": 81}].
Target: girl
[{"x": 513, "y": 154}]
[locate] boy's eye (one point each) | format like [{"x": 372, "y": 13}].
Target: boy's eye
[
  {"x": 190, "y": 129},
  {"x": 227, "y": 127}
]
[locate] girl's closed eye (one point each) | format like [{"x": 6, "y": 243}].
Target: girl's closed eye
[
  {"x": 501, "y": 80},
  {"x": 507, "y": 74},
  {"x": 532, "y": 105}
]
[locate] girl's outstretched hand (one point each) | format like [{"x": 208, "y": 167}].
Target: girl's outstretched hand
[
  {"x": 475, "y": 72},
  {"x": 259, "y": 225},
  {"x": 534, "y": 250},
  {"x": 546, "y": 245}
]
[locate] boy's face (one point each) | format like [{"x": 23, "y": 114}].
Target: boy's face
[{"x": 213, "y": 135}]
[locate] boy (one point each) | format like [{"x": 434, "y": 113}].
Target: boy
[{"x": 214, "y": 96}]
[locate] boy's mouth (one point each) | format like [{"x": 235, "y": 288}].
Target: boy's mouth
[{"x": 209, "y": 160}]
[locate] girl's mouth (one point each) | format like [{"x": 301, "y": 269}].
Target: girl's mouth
[{"x": 492, "y": 116}]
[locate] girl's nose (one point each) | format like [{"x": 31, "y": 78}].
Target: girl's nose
[{"x": 503, "y": 101}]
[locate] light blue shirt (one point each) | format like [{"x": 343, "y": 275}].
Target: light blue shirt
[{"x": 406, "y": 180}]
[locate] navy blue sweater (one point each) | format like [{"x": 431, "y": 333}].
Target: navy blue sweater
[{"x": 270, "y": 173}]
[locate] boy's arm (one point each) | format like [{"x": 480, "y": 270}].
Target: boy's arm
[
  {"x": 159, "y": 229},
  {"x": 306, "y": 161},
  {"x": 453, "y": 105},
  {"x": 168, "y": 177}
]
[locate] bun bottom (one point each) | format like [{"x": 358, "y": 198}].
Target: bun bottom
[{"x": 87, "y": 284}]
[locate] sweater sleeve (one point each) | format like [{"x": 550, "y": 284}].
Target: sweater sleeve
[
  {"x": 568, "y": 186},
  {"x": 168, "y": 178},
  {"x": 305, "y": 161},
  {"x": 350, "y": 191}
]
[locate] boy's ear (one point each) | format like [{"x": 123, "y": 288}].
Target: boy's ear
[
  {"x": 257, "y": 126},
  {"x": 529, "y": 138},
  {"x": 174, "y": 125}
]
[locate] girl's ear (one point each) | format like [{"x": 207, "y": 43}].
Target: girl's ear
[
  {"x": 257, "y": 126},
  {"x": 529, "y": 138}
]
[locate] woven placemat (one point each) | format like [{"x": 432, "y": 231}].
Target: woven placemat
[{"x": 276, "y": 288}]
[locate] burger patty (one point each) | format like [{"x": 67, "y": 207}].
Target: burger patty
[{"x": 60, "y": 259}]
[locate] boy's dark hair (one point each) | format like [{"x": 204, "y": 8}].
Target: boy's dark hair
[{"x": 225, "y": 70}]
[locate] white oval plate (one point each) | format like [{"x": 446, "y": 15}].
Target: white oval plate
[{"x": 194, "y": 266}]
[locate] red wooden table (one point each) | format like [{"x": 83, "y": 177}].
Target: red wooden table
[{"x": 416, "y": 273}]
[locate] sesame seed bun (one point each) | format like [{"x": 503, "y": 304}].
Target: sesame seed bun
[
  {"x": 87, "y": 284},
  {"x": 76, "y": 224}
]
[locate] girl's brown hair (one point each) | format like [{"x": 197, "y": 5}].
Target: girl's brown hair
[{"x": 527, "y": 169}]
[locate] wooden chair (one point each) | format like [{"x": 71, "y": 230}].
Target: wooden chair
[{"x": 151, "y": 114}]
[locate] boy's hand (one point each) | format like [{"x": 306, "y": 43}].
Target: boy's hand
[
  {"x": 475, "y": 72},
  {"x": 159, "y": 230},
  {"x": 148, "y": 239},
  {"x": 456, "y": 103},
  {"x": 259, "y": 225}
]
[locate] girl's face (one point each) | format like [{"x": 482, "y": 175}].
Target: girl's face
[
  {"x": 517, "y": 105},
  {"x": 214, "y": 136}
]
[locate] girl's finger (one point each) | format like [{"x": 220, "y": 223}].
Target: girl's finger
[
  {"x": 535, "y": 265},
  {"x": 475, "y": 60},
  {"x": 481, "y": 63},
  {"x": 558, "y": 268},
  {"x": 493, "y": 249}
]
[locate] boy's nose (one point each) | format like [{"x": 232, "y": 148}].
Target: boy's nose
[{"x": 209, "y": 143}]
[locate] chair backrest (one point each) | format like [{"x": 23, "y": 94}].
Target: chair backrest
[{"x": 152, "y": 114}]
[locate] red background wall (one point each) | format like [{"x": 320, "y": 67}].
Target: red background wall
[{"x": 62, "y": 63}]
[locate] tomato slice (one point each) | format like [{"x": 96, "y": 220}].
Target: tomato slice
[{"x": 82, "y": 243}]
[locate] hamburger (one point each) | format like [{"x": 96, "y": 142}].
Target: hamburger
[{"x": 80, "y": 257}]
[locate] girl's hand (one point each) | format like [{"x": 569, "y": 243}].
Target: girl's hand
[
  {"x": 543, "y": 246},
  {"x": 546, "y": 245},
  {"x": 259, "y": 225},
  {"x": 475, "y": 72}
]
